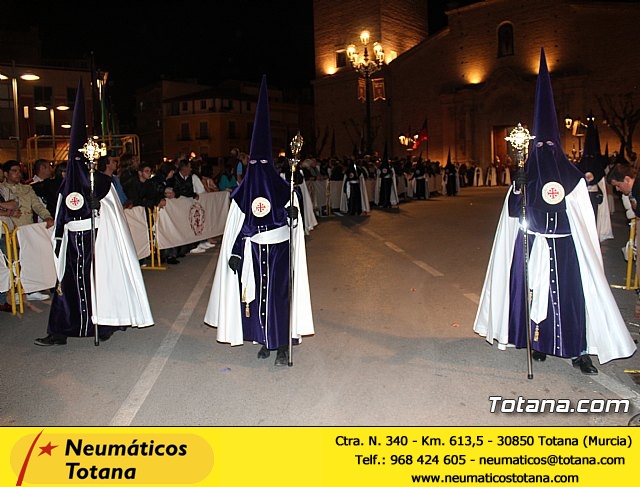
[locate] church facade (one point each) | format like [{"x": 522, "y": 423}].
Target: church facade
[{"x": 469, "y": 83}]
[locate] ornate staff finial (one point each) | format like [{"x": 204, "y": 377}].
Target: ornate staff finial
[
  {"x": 519, "y": 139},
  {"x": 296, "y": 146},
  {"x": 93, "y": 151}
]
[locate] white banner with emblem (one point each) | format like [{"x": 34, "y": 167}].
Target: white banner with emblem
[{"x": 205, "y": 218}]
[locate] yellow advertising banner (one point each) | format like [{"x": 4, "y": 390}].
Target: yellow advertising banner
[{"x": 318, "y": 456}]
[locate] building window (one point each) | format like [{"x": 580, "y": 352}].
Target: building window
[
  {"x": 341, "y": 58},
  {"x": 184, "y": 131},
  {"x": 42, "y": 95},
  {"x": 174, "y": 108},
  {"x": 203, "y": 104},
  {"x": 203, "y": 130},
  {"x": 184, "y": 106},
  {"x": 43, "y": 128},
  {"x": 6, "y": 96},
  {"x": 71, "y": 96},
  {"x": 505, "y": 40}
]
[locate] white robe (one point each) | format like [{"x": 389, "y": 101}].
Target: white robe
[
  {"x": 477, "y": 177},
  {"x": 604, "y": 214},
  {"x": 224, "y": 308},
  {"x": 119, "y": 296},
  {"x": 393, "y": 197},
  {"x": 607, "y": 333},
  {"x": 364, "y": 196}
]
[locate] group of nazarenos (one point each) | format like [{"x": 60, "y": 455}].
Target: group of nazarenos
[{"x": 545, "y": 288}]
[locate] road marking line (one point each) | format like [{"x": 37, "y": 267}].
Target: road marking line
[
  {"x": 474, "y": 298},
  {"x": 394, "y": 247},
  {"x": 616, "y": 387},
  {"x": 428, "y": 268},
  {"x": 372, "y": 233},
  {"x": 423, "y": 265},
  {"x": 147, "y": 380}
]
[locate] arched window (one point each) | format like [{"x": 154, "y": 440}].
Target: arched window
[{"x": 505, "y": 40}]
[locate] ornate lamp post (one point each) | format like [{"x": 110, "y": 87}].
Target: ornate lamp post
[
  {"x": 366, "y": 66},
  {"x": 16, "y": 103}
]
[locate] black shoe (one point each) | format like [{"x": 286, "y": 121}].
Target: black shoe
[
  {"x": 538, "y": 356},
  {"x": 104, "y": 338},
  {"x": 585, "y": 364},
  {"x": 172, "y": 260},
  {"x": 264, "y": 352},
  {"x": 282, "y": 358},
  {"x": 50, "y": 340}
]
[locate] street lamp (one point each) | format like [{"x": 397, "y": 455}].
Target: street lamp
[
  {"x": 52, "y": 119},
  {"x": 408, "y": 140},
  {"x": 576, "y": 126},
  {"x": 16, "y": 108},
  {"x": 365, "y": 66}
]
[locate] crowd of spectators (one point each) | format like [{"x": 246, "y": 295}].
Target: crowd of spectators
[{"x": 24, "y": 200}]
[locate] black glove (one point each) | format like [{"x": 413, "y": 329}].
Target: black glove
[
  {"x": 521, "y": 178},
  {"x": 292, "y": 211},
  {"x": 94, "y": 203},
  {"x": 234, "y": 263}
]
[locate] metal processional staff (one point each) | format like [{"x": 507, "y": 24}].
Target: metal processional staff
[
  {"x": 296, "y": 147},
  {"x": 92, "y": 151},
  {"x": 519, "y": 139}
]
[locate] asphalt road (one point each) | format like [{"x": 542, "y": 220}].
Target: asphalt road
[{"x": 394, "y": 298}]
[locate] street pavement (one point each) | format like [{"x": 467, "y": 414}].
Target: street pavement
[{"x": 394, "y": 298}]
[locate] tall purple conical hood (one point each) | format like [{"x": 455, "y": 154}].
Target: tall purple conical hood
[
  {"x": 547, "y": 161},
  {"x": 261, "y": 178},
  {"x": 591, "y": 160},
  {"x": 545, "y": 119},
  {"x": 77, "y": 180},
  {"x": 261, "y": 137},
  {"x": 592, "y": 138},
  {"x": 77, "y": 177},
  {"x": 384, "y": 162}
]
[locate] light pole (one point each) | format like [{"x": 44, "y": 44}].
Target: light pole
[
  {"x": 366, "y": 66},
  {"x": 52, "y": 120},
  {"x": 16, "y": 108}
]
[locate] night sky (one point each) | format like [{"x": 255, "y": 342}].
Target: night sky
[{"x": 138, "y": 45}]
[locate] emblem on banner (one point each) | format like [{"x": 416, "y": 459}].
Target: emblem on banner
[
  {"x": 197, "y": 217},
  {"x": 260, "y": 207},
  {"x": 74, "y": 201},
  {"x": 552, "y": 193}
]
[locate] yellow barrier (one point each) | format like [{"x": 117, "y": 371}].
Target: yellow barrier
[
  {"x": 152, "y": 218},
  {"x": 16, "y": 286},
  {"x": 631, "y": 259},
  {"x": 14, "y": 271}
]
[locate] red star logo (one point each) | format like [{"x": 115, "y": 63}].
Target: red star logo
[{"x": 47, "y": 449}]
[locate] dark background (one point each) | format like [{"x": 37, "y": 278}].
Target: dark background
[{"x": 140, "y": 43}]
